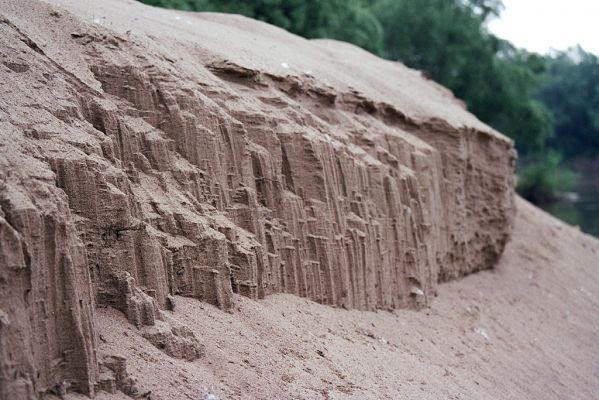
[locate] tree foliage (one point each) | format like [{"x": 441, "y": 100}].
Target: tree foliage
[
  {"x": 449, "y": 40},
  {"x": 571, "y": 92}
]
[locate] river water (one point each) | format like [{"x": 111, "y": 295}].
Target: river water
[{"x": 582, "y": 207}]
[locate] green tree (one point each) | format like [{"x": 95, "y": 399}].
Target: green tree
[
  {"x": 572, "y": 94},
  {"x": 509, "y": 102},
  {"x": 450, "y": 41}
]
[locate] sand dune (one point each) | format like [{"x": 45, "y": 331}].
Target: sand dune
[{"x": 206, "y": 206}]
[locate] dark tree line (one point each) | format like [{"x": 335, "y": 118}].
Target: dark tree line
[
  {"x": 548, "y": 103},
  {"x": 571, "y": 93}
]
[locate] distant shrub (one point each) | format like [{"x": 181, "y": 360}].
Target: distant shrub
[{"x": 541, "y": 179}]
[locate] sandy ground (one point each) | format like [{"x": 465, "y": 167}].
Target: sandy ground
[{"x": 527, "y": 330}]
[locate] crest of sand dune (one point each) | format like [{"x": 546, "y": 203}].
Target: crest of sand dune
[{"x": 173, "y": 184}]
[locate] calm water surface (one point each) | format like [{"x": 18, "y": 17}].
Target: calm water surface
[{"x": 583, "y": 211}]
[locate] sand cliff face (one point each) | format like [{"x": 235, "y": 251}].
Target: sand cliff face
[{"x": 147, "y": 153}]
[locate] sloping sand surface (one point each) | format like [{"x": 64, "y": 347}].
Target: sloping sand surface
[{"x": 526, "y": 330}]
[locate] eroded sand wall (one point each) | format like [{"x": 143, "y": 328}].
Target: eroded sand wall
[{"x": 135, "y": 167}]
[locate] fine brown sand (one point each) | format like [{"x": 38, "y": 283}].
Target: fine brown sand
[
  {"x": 526, "y": 330},
  {"x": 151, "y": 157},
  {"x": 147, "y": 153}
]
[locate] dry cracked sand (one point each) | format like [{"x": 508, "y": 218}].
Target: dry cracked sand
[{"x": 205, "y": 206}]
